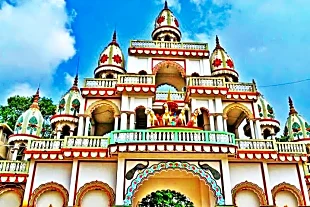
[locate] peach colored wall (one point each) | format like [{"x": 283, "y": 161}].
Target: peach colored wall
[
  {"x": 10, "y": 199},
  {"x": 247, "y": 198},
  {"x": 48, "y": 198}
]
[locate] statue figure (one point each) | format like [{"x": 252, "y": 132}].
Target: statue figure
[
  {"x": 182, "y": 118},
  {"x": 193, "y": 122},
  {"x": 153, "y": 118},
  {"x": 166, "y": 115}
]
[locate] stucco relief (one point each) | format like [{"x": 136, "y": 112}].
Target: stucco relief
[{"x": 290, "y": 188}]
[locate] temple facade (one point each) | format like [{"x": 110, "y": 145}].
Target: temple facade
[{"x": 173, "y": 123}]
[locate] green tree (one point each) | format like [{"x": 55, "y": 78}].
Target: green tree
[
  {"x": 166, "y": 198},
  {"x": 16, "y": 105}
]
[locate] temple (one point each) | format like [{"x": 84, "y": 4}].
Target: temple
[{"x": 172, "y": 125}]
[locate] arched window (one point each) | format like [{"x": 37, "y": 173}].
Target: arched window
[
  {"x": 65, "y": 131},
  {"x": 166, "y": 87},
  {"x": 110, "y": 76}
]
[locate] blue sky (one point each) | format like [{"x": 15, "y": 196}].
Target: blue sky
[{"x": 40, "y": 41}]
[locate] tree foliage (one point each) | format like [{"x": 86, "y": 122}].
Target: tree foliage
[
  {"x": 166, "y": 198},
  {"x": 16, "y": 105}
]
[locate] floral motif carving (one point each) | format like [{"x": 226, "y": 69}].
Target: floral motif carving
[
  {"x": 160, "y": 20},
  {"x": 246, "y": 185},
  {"x": 230, "y": 63},
  {"x": 217, "y": 62},
  {"x": 163, "y": 166},
  {"x": 117, "y": 59},
  {"x": 290, "y": 188},
  {"x": 176, "y": 22},
  {"x": 95, "y": 185},
  {"x": 50, "y": 186},
  {"x": 104, "y": 58},
  {"x": 168, "y": 63}
]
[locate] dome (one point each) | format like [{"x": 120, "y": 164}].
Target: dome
[
  {"x": 267, "y": 115},
  {"x": 296, "y": 126},
  {"x": 31, "y": 121},
  {"x": 222, "y": 64},
  {"x": 166, "y": 26},
  {"x": 111, "y": 59},
  {"x": 69, "y": 105}
]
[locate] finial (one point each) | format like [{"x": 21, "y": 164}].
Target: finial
[
  {"x": 292, "y": 108},
  {"x": 114, "y": 36},
  {"x": 217, "y": 41},
  {"x": 166, "y": 5},
  {"x": 35, "y": 103},
  {"x": 169, "y": 96},
  {"x": 76, "y": 78}
]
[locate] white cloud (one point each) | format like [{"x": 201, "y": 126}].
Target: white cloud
[
  {"x": 34, "y": 39},
  {"x": 69, "y": 79},
  {"x": 258, "y": 49},
  {"x": 173, "y": 4}
]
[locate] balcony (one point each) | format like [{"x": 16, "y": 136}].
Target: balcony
[
  {"x": 100, "y": 83},
  {"x": 86, "y": 142},
  {"x": 168, "y": 45},
  {"x": 16, "y": 167},
  {"x": 271, "y": 145},
  {"x": 241, "y": 87},
  {"x": 205, "y": 81},
  {"x": 174, "y": 96},
  {"x": 136, "y": 79},
  {"x": 45, "y": 145},
  {"x": 175, "y": 136}
]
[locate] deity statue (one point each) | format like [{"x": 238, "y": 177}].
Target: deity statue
[{"x": 194, "y": 122}]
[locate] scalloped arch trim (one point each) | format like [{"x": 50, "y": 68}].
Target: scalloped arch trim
[
  {"x": 50, "y": 186},
  {"x": 97, "y": 104},
  {"x": 18, "y": 191},
  {"x": 169, "y": 63},
  {"x": 290, "y": 188},
  {"x": 95, "y": 185},
  {"x": 163, "y": 166},
  {"x": 246, "y": 185},
  {"x": 239, "y": 106}
]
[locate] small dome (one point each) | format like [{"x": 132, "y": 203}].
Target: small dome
[
  {"x": 296, "y": 126},
  {"x": 31, "y": 121},
  {"x": 166, "y": 26},
  {"x": 222, "y": 64},
  {"x": 69, "y": 105},
  {"x": 111, "y": 59}
]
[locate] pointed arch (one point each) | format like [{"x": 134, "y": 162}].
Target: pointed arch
[
  {"x": 167, "y": 63},
  {"x": 50, "y": 186},
  {"x": 164, "y": 166},
  {"x": 290, "y": 188},
  {"x": 95, "y": 185},
  {"x": 97, "y": 104},
  {"x": 239, "y": 106},
  {"x": 246, "y": 185}
]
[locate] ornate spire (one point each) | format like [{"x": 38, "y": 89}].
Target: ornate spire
[
  {"x": 292, "y": 108},
  {"x": 166, "y": 5},
  {"x": 35, "y": 103},
  {"x": 217, "y": 41},
  {"x": 169, "y": 96}
]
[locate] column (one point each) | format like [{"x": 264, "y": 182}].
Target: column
[
  {"x": 226, "y": 182},
  {"x": 252, "y": 129},
  {"x": 28, "y": 184},
  {"x": 258, "y": 130},
  {"x": 71, "y": 132},
  {"x": 119, "y": 192},
  {"x": 219, "y": 119},
  {"x": 132, "y": 120},
  {"x": 267, "y": 181},
  {"x": 211, "y": 119},
  {"x": 303, "y": 183},
  {"x": 86, "y": 129},
  {"x": 72, "y": 182},
  {"x": 123, "y": 121},
  {"x": 116, "y": 120},
  {"x": 58, "y": 134},
  {"x": 225, "y": 124},
  {"x": 15, "y": 153},
  {"x": 81, "y": 125}
]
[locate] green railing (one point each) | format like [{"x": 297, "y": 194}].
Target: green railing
[
  {"x": 18, "y": 167},
  {"x": 188, "y": 136},
  {"x": 267, "y": 145},
  {"x": 168, "y": 45}
]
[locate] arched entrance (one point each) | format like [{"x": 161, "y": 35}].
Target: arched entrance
[
  {"x": 179, "y": 176},
  {"x": 167, "y": 197}
]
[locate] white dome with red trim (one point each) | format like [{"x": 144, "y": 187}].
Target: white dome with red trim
[
  {"x": 221, "y": 63},
  {"x": 166, "y": 26},
  {"x": 111, "y": 59}
]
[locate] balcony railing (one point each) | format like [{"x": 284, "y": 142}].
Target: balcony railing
[
  {"x": 46, "y": 144},
  {"x": 206, "y": 137},
  {"x": 206, "y": 81},
  {"x": 241, "y": 87},
  {"x": 86, "y": 142},
  {"x": 175, "y": 96},
  {"x": 136, "y": 79},
  {"x": 262, "y": 145},
  {"x": 14, "y": 166},
  {"x": 100, "y": 83},
  {"x": 307, "y": 169},
  {"x": 168, "y": 45}
]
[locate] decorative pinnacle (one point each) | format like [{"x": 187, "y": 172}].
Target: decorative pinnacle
[
  {"x": 169, "y": 96},
  {"x": 114, "y": 36},
  {"x": 217, "y": 41},
  {"x": 35, "y": 103},
  {"x": 166, "y": 5},
  {"x": 292, "y": 108}
]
